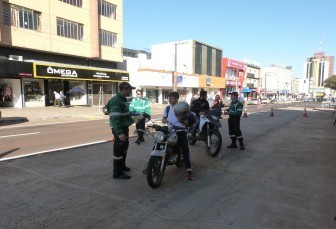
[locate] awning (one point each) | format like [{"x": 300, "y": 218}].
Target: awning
[{"x": 246, "y": 90}]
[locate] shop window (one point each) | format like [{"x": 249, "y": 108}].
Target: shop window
[
  {"x": 5, "y": 93},
  {"x": 77, "y": 90},
  {"x": 32, "y": 91}
]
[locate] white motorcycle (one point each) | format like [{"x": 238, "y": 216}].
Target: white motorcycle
[
  {"x": 164, "y": 153},
  {"x": 208, "y": 131}
]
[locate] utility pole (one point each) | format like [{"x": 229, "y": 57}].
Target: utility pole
[{"x": 175, "y": 69}]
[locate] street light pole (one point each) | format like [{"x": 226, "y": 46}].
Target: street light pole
[{"x": 175, "y": 69}]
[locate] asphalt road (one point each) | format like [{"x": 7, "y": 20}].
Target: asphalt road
[{"x": 46, "y": 136}]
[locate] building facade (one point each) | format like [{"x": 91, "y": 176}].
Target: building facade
[
  {"x": 316, "y": 70},
  {"x": 183, "y": 66},
  {"x": 76, "y": 50},
  {"x": 276, "y": 82}
]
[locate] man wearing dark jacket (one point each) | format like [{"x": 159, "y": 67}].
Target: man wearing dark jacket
[
  {"x": 199, "y": 107},
  {"x": 120, "y": 120}
]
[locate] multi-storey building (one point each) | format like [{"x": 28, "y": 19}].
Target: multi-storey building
[
  {"x": 276, "y": 81},
  {"x": 252, "y": 82},
  {"x": 317, "y": 69},
  {"x": 60, "y": 45},
  {"x": 185, "y": 66}
]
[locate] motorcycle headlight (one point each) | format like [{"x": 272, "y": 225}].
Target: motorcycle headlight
[{"x": 159, "y": 136}]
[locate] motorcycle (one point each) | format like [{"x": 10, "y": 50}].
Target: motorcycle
[
  {"x": 164, "y": 153},
  {"x": 208, "y": 132}
]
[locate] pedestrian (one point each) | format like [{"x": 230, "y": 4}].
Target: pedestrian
[
  {"x": 235, "y": 111},
  {"x": 140, "y": 106},
  {"x": 170, "y": 118},
  {"x": 57, "y": 100},
  {"x": 62, "y": 98},
  {"x": 120, "y": 120},
  {"x": 259, "y": 103}
]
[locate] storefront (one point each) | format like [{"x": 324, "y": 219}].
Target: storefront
[
  {"x": 212, "y": 85},
  {"x": 81, "y": 86},
  {"x": 12, "y": 75}
]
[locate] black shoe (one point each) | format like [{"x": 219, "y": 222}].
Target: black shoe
[
  {"x": 232, "y": 146},
  {"x": 141, "y": 140},
  {"x": 137, "y": 141},
  {"x": 126, "y": 169},
  {"x": 122, "y": 176},
  {"x": 242, "y": 147}
]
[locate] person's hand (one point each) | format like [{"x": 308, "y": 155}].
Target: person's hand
[
  {"x": 122, "y": 137},
  {"x": 164, "y": 120},
  {"x": 185, "y": 122}
]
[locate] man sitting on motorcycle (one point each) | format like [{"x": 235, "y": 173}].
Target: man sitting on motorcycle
[
  {"x": 170, "y": 118},
  {"x": 199, "y": 106}
]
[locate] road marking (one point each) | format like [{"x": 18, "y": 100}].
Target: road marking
[
  {"x": 47, "y": 123},
  {"x": 52, "y": 150},
  {"x": 8, "y": 136}
]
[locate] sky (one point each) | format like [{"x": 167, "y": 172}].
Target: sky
[{"x": 265, "y": 31}]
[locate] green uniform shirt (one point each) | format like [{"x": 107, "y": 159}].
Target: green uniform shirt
[
  {"x": 120, "y": 117},
  {"x": 140, "y": 105},
  {"x": 236, "y": 108}
]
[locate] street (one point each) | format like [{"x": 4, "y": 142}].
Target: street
[
  {"x": 37, "y": 137},
  {"x": 284, "y": 179}
]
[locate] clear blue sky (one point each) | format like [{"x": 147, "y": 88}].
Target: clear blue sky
[{"x": 266, "y": 31}]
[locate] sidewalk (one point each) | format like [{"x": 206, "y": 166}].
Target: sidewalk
[{"x": 17, "y": 115}]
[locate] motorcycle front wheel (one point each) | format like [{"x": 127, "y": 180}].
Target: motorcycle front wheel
[
  {"x": 214, "y": 146},
  {"x": 154, "y": 172}
]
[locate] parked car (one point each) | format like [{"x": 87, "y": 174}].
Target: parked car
[
  {"x": 252, "y": 101},
  {"x": 265, "y": 101},
  {"x": 307, "y": 100}
]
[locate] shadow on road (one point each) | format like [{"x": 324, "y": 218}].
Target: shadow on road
[{"x": 12, "y": 120}]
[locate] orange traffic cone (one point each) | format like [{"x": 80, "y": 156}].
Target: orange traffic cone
[
  {"x": 305, "y": 113},
  {"x": 271, "y": 113},
  {"x": 245, "y": 113}
]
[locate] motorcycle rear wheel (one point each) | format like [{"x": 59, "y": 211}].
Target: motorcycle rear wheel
[
  {"x": 215, "y": 144},
  {"x": 154, "y": 173}
]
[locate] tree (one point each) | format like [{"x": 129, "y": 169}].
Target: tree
[{"x": 330, "y": 82}]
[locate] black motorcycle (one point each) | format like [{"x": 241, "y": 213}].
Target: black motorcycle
[
  {"x": 165, "y": 152},
  {"x": 208, "y": 131}
]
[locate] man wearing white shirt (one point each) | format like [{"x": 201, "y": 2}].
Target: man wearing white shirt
[{"x": 170, "y": 118}]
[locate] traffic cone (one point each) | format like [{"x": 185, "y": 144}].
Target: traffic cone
[
  {"x": 305, "y": 113},
  {"x": 245, "y": 113},
  {"x": 271, "y": 113}
]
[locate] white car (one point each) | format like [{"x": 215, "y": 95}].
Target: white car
[
  {"x": 252, "y": 102},
  {"x": 264, "y": 101}
]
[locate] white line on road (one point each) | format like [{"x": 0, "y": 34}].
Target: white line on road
[
  {"x": 8, "y": 136},
  {"x": 52, "y": 150}
]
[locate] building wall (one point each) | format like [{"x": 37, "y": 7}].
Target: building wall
[{"x": 47, "y": 39}]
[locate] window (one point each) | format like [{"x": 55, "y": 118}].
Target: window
[
  {"x": 107, "y": 38},
  {"x": 77, "y": 3},
  {"x": 107, "y": 9},
  {"x": 69, "y": 29},
  {"x": 21, "y": 17}
]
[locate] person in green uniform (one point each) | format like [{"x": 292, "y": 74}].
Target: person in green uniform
[
  {"x": 140, "y": 106},
  {"x": 120, "y": 120},
  {"x": 235, "y": 111}
]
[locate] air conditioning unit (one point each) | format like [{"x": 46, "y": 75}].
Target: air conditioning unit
[{"x": 14, "y": 57}]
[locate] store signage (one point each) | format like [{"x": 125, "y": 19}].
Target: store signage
[
  {"x": 236, "y": 64},
  {"x": 50, "y": 71}
]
